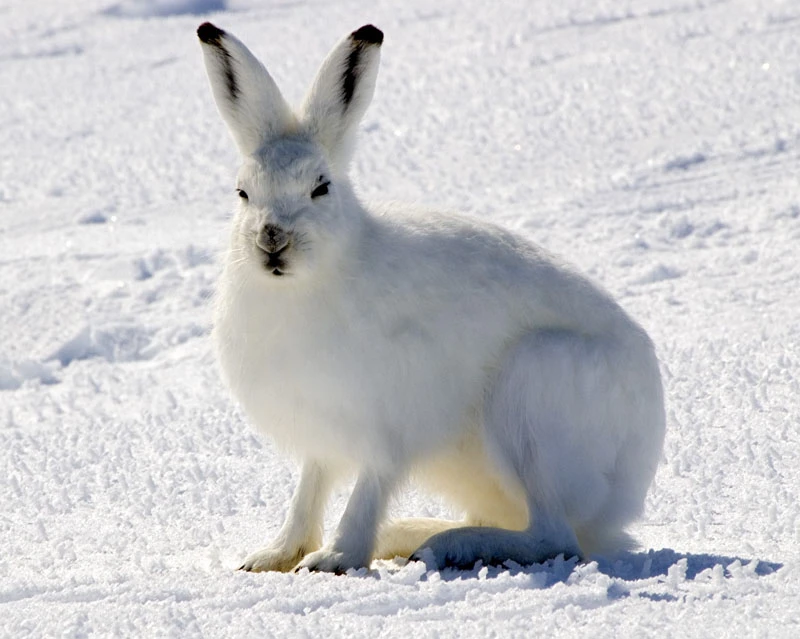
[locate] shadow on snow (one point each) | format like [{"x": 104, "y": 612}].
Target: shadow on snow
[{"x": 660, "y": 565}]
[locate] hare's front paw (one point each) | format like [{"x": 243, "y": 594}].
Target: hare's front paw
[
  {"x": 272, "y": 558},
  {"x": 327, "y": 560}
]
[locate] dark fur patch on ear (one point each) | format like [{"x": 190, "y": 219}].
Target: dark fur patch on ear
[
  {"x": 362, "y": 38},
  {"x": 369, "y": 34},
  {"x": 212, "y": 36},
  {"x": 230, "y": 76},
  {"x": 349, "y": 77}
]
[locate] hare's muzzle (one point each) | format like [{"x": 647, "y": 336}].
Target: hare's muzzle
[{"x": 273, "y": 242}]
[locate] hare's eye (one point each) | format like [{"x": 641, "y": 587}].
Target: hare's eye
[
  {"x": 321, "y": 190},
  {"x": 242, "y": 194}
]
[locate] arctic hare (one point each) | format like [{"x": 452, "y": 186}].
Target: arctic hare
[{"x": 398, "y": 343}]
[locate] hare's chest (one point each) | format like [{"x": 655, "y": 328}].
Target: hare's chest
[
  {"x": 345, "y": 387},
  {"x": 300, "y": 380}
]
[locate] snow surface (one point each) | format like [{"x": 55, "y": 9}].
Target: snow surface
[{"x": 654, "y": 143}]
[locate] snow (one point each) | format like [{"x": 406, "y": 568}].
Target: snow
[{"x": 655, "y": 144}]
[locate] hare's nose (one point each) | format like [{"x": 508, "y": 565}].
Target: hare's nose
[{"x": 272, "y": 238}]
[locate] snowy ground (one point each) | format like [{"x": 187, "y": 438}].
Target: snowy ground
[{"x": 654, "y": 143}]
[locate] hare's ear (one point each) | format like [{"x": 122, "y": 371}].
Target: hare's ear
[
  {"x": 246, "y": 95},
  {"x": 342, "y": 92}
]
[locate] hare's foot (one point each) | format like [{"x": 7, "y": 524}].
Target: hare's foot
[
  {"x": 330, "y": 560},
  {"x": 463, "y": 547},
  {"x": 272, "y": 558}
]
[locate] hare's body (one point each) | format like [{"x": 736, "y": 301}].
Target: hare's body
[{"x": 392, "y": 342}]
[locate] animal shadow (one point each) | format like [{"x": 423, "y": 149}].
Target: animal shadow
[{"x": 661, "y": 565}]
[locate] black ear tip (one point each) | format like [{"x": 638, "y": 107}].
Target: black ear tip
[
  {"x": 368, "y": 34},
  {"x": 209, "y": 34}
]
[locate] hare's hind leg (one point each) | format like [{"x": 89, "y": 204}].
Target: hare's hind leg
[
  {"x": 555, "y": 422},
  {"x": 465, "y": 477},
  {"x": 548, "y": 535}
]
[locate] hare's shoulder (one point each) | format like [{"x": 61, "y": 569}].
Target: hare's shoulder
[
  {"x": 402, "y": 223},
  {"x": 424, "y": 239}
]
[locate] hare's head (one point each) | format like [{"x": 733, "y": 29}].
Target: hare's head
[{"x": 296, "y": 208}]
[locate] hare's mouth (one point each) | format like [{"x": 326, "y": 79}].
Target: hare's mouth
[{"x": 274, "y": 262}]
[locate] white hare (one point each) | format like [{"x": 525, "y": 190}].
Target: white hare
[{"x": 399, "y": 343}]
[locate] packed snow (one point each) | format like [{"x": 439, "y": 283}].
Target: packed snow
[{"x": 654, "y": 144}]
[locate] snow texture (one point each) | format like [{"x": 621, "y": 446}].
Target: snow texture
[{"x": 654, "y": 143}]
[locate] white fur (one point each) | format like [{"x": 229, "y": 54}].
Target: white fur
[{"x": 410, "y": 343}]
